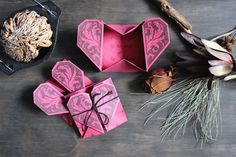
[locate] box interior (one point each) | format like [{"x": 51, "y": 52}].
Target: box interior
[{"x": 123, "y": 42}]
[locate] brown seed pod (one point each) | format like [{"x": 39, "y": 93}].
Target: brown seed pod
[
  {"x": 233, "y": 41},
  {"x": 159, "y": 81},
  {"x": 228, "y": 38},
  {"x": 25, "y": 34},
  {"x": 229, "y": 48}
]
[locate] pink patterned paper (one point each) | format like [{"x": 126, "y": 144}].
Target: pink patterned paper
[
  {"x": 80, "y": 107},
  {"x": 123, "y": 48},
  {"x": 49, "y": 99},
  {"x": 49, "y": 96},
  {"x": 68, "y": 75},
  {"x": 98, "y": 100}
]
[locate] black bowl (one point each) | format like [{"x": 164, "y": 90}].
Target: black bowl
[{"x": 9, "y": 65}]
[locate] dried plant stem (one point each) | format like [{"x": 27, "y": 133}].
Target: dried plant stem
[
  {"x": 190, "y": 102},
  {"x": 175, "y": 15},
  {"x": 224, "y": 34}
]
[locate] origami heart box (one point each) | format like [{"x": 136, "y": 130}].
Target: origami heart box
[
  {"x": 94, "y": 108},
  {"x": 66, "y": 78},
  {"x": 123, "y": 48},
  {"x": 98, "y": 106}
]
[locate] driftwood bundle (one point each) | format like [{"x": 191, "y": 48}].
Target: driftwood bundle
[{"x": 25, "y": 34}]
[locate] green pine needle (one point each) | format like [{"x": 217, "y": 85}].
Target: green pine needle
[{"x": 190, "y": 102}]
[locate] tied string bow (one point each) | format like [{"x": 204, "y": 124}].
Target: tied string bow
[{"x": 99, "y": 114}]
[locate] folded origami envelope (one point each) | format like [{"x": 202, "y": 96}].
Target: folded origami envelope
[
  {"x": 97, "y": 109},
  {"x": 123, "y": 48},
  {"x": 94, "y": 107}
]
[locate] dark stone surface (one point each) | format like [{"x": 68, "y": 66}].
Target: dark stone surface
[{"x": 25, "y": 131}]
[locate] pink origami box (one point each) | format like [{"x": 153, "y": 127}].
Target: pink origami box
[
  {"x": 66, "y": 78},
  {"x": 123, "y": 48},
  {"x": 94, "y": 108}
]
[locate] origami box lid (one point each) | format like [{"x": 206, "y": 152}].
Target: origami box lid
[
  {"x": 108, "y": 108},
  {"x": 123, "y": 48},
  {"x": 67, "y": 77}
]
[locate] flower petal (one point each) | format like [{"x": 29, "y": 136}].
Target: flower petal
[
  {"x": 192, "y": 39},
  {"x": 230, "y": 77},
  {"x": 221, "y": 70},
  {"x": 213, "y": 45},
  {"x": 220, "y": 55},
  {"x": 217, "y": 62}
]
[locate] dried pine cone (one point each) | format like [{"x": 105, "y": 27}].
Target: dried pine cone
[{"x": 25, "y": 34}]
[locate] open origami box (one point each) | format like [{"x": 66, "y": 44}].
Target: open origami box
[
  {"x": 123, "y": 48},
  {"x": 94, "y": 108}
]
